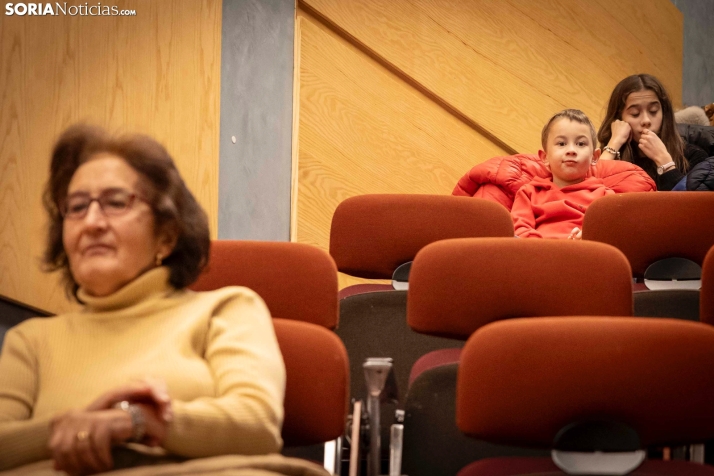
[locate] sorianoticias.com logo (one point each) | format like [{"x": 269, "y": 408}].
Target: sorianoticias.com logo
[{"x": 61, "y": 8}]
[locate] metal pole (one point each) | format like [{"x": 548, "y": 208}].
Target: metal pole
[{"x": 376, "y": 371}]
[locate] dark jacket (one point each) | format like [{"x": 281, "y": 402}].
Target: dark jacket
[
  {"x": 701, "y": 174},
  {"x": 702, "y": 136},
  {"x": 701, "y": 177}
]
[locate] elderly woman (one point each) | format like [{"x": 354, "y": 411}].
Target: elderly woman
[
  {"x": 639, "y": 128},
  {"x": 143, "y": 360}
]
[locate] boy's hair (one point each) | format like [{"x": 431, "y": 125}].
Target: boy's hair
[{"x": 575, "y": 115}]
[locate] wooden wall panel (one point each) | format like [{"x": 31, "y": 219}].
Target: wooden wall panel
[
  {"x": 157, "y": 73},
  {"x": 509, "y": 65},
  {"x": 404, "y": 96},
  {"x": 364, "y": 130},
  {"x": 657, "y": 27}
]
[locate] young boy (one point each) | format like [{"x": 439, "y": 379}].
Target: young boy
[{"x": 555, "y": 208}]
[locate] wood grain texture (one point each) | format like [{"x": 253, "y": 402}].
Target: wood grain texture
[
  {"x": 404, "y": 96},
  {"x": 364, "y": 130},
  {"x": 657, "y": 27},
  {"x": 156, "y": 73},
  {"x": 510, "y": 65},
  {"x": 295, "y": 157}
]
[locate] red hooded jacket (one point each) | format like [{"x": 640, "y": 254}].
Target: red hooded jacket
[
  {"x": 498, "y": 179},
  {"x": 542, "y": 210}
]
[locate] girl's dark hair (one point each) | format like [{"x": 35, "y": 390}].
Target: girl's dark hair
[
  {"x": 175, "y": 208},
  {"x": 668, "y": 132}
]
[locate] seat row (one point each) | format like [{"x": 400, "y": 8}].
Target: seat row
[{"x": 458, "y": 288}]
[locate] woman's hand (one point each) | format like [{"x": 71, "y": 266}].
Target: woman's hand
[
  {"x": 151, "y": 396},
  {"x": 149, "y": 391},
  {"x": 576, "y": 234},
  {"x": 621, "y": 134},
  {"x": 652, "y": 146},
  {"x": 81, "y": 441}
]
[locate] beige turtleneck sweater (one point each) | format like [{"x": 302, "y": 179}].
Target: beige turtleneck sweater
[{"x": 216, "y": 351}]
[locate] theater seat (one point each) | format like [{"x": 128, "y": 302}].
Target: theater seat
[
  {"x": 295, "y": 280},
  {"x": 546, "y": 467},
  {"x": 648, "y": 227},
  {"x": 317, "y": 387},
  {"x": 299, "y": 285},
  {"x": 458, "y": 286},
  {"x": 651, "y": 375},
  {"x": 372, "y": 235},
  {"x": 706, "y": 306}
]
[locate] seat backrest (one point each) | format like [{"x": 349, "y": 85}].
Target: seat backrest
[
  {"x": 457, "y": 286},
  {"x": 648, "y": 227},
  {"x": 296, "y": 281},
  {"x": 706, "y": 296},
  {"x": 521, "y": 381},
  {"x": 371, "y": 235},
  {"x": 317, "y": 387}
]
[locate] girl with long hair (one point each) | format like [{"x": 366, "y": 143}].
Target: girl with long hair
[{"x": 639, "y": 128}]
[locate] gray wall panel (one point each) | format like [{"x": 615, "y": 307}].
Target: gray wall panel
[
  {"x": 698, "y": 66},
  {"x": 256, "y": 109}
]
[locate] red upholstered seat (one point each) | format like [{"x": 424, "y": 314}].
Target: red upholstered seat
[
  {"x": 432, "y": 360},
  {"x": 370, "y": 236},
  {"x": 317, "y": 388},
  {"x": 364, "y": 288},
  {"x": 296, "y": 281},
  {"x": 299, "y": 285},
  {"x": 458, "y": 286},
  {"x": 546, "y": 467},
  {"x": 652, "y": 374},
  {"x": 647, "y": 227},
  {"x": 511, "y": 467},
  {"x": 706, "y": 303}
]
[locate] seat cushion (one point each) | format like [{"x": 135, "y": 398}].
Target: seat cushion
[
  {"x": 673, "y": 303},
  {"x": 372, "y": 235},
  {"x": 374, "y": 325},
  {"x": 296, "y": 281},
  {"x": 317, "y": 386},
  {"x": 433, "y": 444},
  {"x": 432, "y": 360},
  {"x": 363, "y": 288},
  {"x": 546, "y": 467}
]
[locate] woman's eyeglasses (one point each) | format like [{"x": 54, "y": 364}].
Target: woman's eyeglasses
[{"x": 112, "y": 202}]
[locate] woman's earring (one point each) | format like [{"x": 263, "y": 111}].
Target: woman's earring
[{"x": 159, "y": 259}]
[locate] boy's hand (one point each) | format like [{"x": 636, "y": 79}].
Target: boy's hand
[
  {"x": 652, "y": 146},
  {"x": 576, "y": 234},
  {"x": 621, "y": 134}
]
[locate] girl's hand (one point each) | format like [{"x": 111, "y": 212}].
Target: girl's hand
[
  {"x": 652, "y": 146},
  {"x": 621, "y": 134},
  {"x": 576, "y": 234}
]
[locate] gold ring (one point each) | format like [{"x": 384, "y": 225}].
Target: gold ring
[{"x": 82, "y": 435}]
